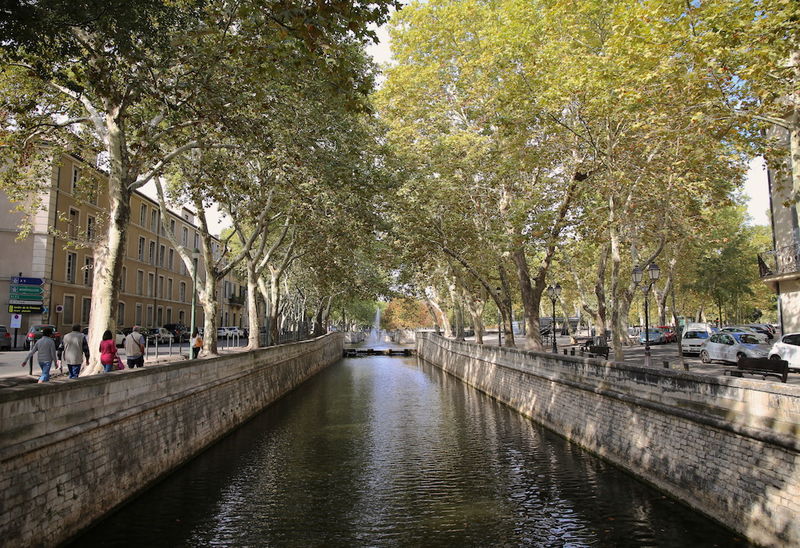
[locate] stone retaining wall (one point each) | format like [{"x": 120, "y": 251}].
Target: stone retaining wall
[
  {"x": 728, "y": 447},
  {"x": 72, "y": 451}
]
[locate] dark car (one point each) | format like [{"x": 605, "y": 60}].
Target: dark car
[
  {"x": 5, "y": 338},
  {"x": 178, "y": 330},
  {"x": 35, "y": 333}
]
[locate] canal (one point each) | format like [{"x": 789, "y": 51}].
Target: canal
[{"x": 383, "y": 451}]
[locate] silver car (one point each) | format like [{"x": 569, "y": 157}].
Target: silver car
[
  {"x": 729, "y": 347},
  {"x": 692, "y": 341},
  {"x": 744, "y": 329}
]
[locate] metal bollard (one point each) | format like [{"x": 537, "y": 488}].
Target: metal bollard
[
  {"x": 146, "y": 347},
  {"x": 156, "y": 343},
  {"x": 170, "y": 347}
]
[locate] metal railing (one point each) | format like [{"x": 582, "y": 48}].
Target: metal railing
[{"x": 783, "y": 260}]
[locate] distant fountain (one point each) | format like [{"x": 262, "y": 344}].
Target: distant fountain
[{"x": 376, "y": 333}]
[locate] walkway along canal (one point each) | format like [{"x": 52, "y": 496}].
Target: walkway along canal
[{"x": 391, "y": 451}]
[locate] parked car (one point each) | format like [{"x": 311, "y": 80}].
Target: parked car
[
  {"x": 229, "y": 331},
  {"x": 744, "y": 329},
  {"x": 655, "y": 335},
  {"x": 763, "y": 329},
  {"x": 160, "y": 335},
  {"x": 700, "y": 326},
  {"x": 178, "y": 330},
  {"x": 119, "y": 339},
  {"x": 692, "y": 341},
  {"x": 5, "y": 338},
  {"x": 35, "y": 333},
  {"x": 669, "y": 334},
  {"x": 730, "y": 346},
  {"x": 787, "y": 348}
]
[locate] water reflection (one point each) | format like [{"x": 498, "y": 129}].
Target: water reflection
[{"x": 385, "y": 451}]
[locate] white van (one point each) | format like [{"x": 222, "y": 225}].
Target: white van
[{"x": 707, "y": 327}]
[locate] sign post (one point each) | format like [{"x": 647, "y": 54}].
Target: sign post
[
  {"x": 15, "y": 323},
  {"x": 26, "y": 296}
]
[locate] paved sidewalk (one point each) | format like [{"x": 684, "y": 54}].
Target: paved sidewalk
[{"x": 11, "y": 374}]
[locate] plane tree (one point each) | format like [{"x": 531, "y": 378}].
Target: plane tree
[{"x": 140, "y": 83}]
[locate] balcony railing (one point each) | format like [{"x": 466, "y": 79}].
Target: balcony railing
[
  {"x": 775, "y": 262},
  {"x": 236, "y": 299}
]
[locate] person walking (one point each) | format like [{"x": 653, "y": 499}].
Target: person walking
[
  {"x": 134, "y": 348},
  {"x": 197, "y": 344},
  {"x": 46, "y": 348},
  {"x": 73, "y": 349},
  {"x": 108, "y": 351}
]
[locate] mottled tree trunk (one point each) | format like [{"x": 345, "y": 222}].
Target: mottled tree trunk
[
  {"x": 110, "y": 251},
  {"x": 253, "y": 321}
]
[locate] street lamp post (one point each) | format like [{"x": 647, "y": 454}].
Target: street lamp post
[
  {"x": 653, "y": 273},
  {"x": 195, "y": 257},
  {"x": 554, "y": 292},
  {"x": 499, "y": 319}
]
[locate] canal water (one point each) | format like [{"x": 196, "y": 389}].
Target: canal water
[{"x": 382, "y": 451}]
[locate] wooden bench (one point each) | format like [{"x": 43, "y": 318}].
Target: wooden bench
[{"x": 762, "y": 366}]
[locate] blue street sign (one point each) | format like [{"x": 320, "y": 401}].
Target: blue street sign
[{"x": 18, "y": 280}]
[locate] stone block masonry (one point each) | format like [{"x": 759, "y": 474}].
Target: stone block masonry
[
  {"x": 728, "y": 447},
  {"x": 71, "y": 452}
]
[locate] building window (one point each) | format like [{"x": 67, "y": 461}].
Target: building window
[
  {"x": 152, "y": 253},
  {"x": 139, "y": 282},
  {"x": 171, "y": 260},
  {"x": 169, "y": 290},
  {"x": 185, "y": 235},
  {"x": 120, "y": 314},
  {"x": 141, "y": 249},
  {"x": 69, "y": 310},
  {"x": 72, "y": 265},
  {"x": 86, "y": 308},
  {"x": 90, "y": 228},
  {"x": 182, "y": 292},
  {"x": 161, "y": 287},
  {"x": 93, "y": 193},
  {"x": 169, "y": 315},
  {"x": 181, "y": 317},
  {"x": 196, "y": 240},
  {"x": 74, "y": 223},
  {"x": 123, "y": 279},
  {"x": 161, "y": 252},
  {"x": 143, "y": 216},
  {"x": 154, "y": 221},
  {"x": 172, "y": 229},
  {"x": 88, "y": 271},
  {"x": 138, "y": 319},
  {"x": 151, "y": 282},
  {"x": 149, "y": 315},
  {"x": 76, "y": 175},
  {"x": 159, "y": 316}
]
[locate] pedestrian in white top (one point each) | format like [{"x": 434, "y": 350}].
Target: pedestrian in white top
[
  {"x": 134, "y": 348},
  {"x": 73, "y": 349}
]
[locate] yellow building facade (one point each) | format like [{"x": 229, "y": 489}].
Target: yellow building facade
[{"x": 155, "y": 287}]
